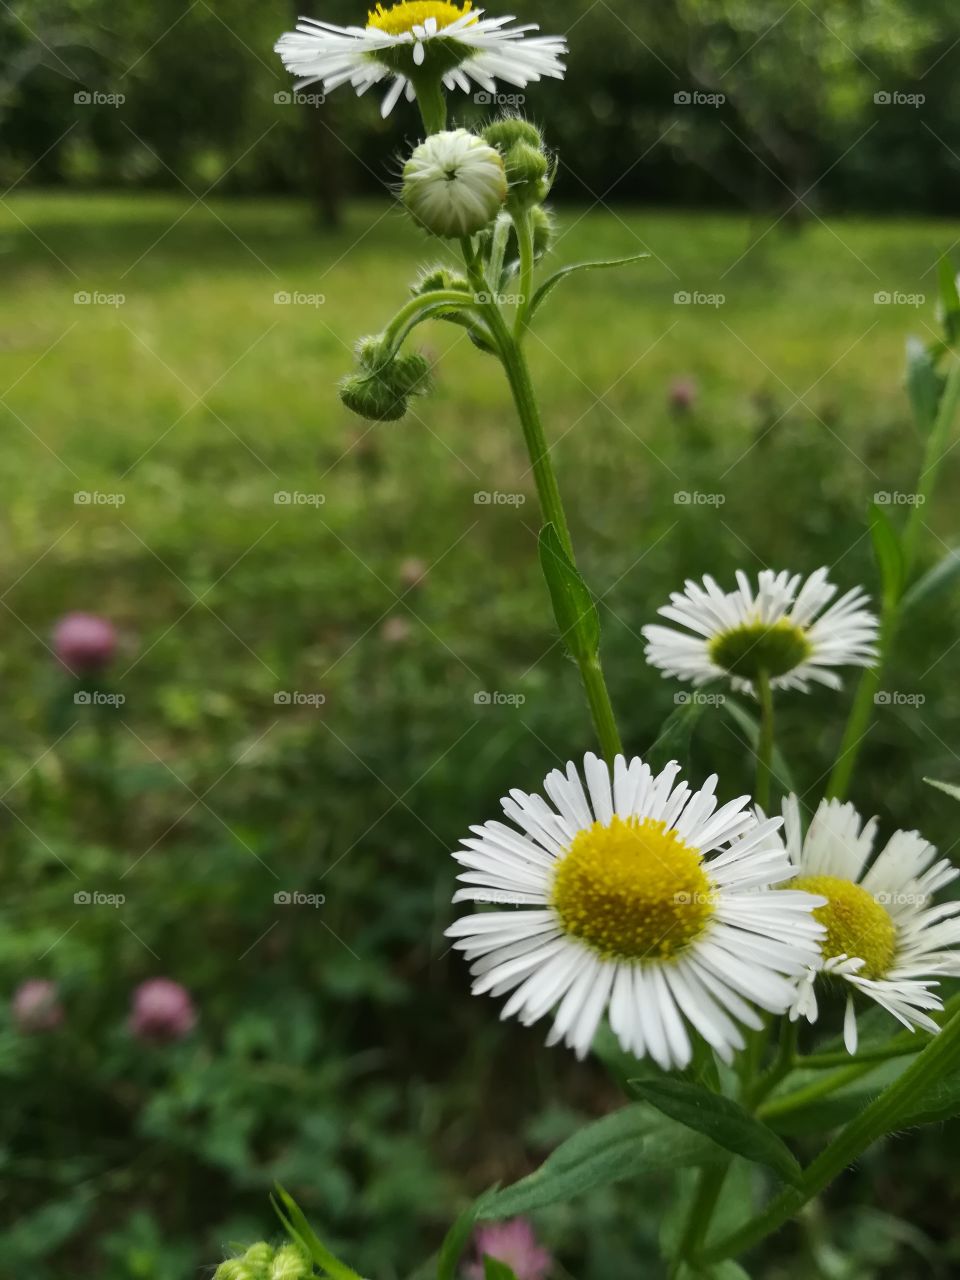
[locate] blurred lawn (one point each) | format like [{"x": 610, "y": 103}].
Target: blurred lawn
[{"x": 200, "y": 398}]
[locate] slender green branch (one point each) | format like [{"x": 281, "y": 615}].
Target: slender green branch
[
  {"x": 817, "y": 1089},
  {"x": 521, "y": 221},
  {"x": 930, "y": 467},
  {"x": 432, "y": 102},
  {"x": 765, "y": 743},
  {"x": 421, "y": 308},
  {"x": 941, "y": 1056},
  {"x": 601, "y": 708}
]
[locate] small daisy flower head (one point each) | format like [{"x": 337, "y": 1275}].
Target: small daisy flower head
[
  {"x": 884, "y": 934},
  {"x": 420, "y": 40},
  {"x": 638, "y": 898},
  {"x": 786, "y": 628},
  {"x": 454, "y": 184}
]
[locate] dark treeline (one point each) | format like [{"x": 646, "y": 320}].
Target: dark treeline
[{"x": 844, "y": 105}]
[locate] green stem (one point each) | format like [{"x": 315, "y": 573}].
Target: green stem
[
  {"x": 551, "y": 507},
  {"x": 817, "y": 1089},
  {"x": 858, "y": 723},
  {"x": 940, "y": 1057},
  {"x": 432, "y": 103},
  {"x": 521, "y": 220},
  {"x": 765, "y": 743},
  {"x": 419, "y": 308}
]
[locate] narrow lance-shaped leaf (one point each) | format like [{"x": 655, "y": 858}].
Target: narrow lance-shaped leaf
[
  {"x": 723, "y": 1121},
  {"x": 301, "y": 1232},
  {"x": 934, "y": 580},
  {"x": 551, "y": 282},
  {"x": 573, "y": 605},
  {"x": 457, "y": 1237},
  {"x": 888, "y": 552},
  {"x": 924, "y": 384}
]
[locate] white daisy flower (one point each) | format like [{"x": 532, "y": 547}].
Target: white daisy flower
[
  {"x": 454, "y": 184},
  {"x": 642, "y": 900},
  {"x": 884, "y": 934},
  {"x": 783, "y": 628},
  {"x": 416, "y": 38}
]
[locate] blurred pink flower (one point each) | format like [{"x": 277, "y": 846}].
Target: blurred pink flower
[
  {"x": 514, "y": 1243},
  {"x": 162, "y": 1010},
  {"x": 36, "y": 1005},
  {"x": 396, "y": 630},
  {"x": 84, "y": 643},
  {"x": 683, "y": 394},
  {"x": 413, "y": 571}
]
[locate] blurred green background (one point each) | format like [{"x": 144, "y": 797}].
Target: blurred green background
[{"x": 321, "y": 694}]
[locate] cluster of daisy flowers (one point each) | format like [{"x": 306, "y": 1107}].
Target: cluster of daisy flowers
[{"x": 647, "y": 902}]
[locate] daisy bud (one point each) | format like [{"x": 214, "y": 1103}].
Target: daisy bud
[
  {"x": 262, "y": 1262},
  {"x": 371, "y": 397},
  {"x": 162, "y": 1010},
  {"x": 503, "y": 134},
  {"x": 290, "y": 1264},
  {"x": 84, "y": 642},
  {"x": 454, "y": 184},
  {"x": 441, "y": 278},
  {"x": 36, "y": 1006},
  {"x": 527, "y": 168}
]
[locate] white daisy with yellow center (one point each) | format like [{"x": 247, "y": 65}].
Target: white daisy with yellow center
[
  {"x": 403, "y": 42},
  {"x": 885, "y": 936},
  {"x": 640, "y": 898},
  {"x": 783, "y": 629}
]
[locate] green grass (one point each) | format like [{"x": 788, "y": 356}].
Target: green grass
[{"x": 197, "y": 400}]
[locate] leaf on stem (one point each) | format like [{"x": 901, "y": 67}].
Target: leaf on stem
[
  {"x": 458, "y": 1236},
  {"x": 675, "y": 736},
  {"x": 934, "y": 580},
  {"x": 888, "y": 553},
  {"x": 301, "y": 1233},
  {"x": 551, "y": 282},
  {"x": 949, "y": 300},
  {"x": 750, "y": 725},
  {"x": 573, "y": 605},
  {"x": 924, "y": 384},
  {"x": 723, "y": 1121}
]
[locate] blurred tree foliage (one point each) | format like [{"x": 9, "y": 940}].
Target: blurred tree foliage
[{"x": 808, "y": 116}]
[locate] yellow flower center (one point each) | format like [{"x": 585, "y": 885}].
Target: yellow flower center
[
  {"x": 857, "y": 925},
  {"x": 632, "y": 890},
  {"x": 760, "y": 646},
  {"x": 397, "y": 19}
]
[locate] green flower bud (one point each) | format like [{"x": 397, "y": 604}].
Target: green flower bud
[
  {"x": 290, "y": 1264},
  {"x": 372, "y": 352},
  {"x": 409, "y": 374},
  {"x": 440, "y": 277},
  {"x": 527, "y": 169},
  {"x": 454, "y": 183},
  {"x": 502, "y": 134},
  {"x": 372, "y": 397}
]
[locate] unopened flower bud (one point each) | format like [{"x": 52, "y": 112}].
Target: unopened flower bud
[
  {"x": 502, "y": 134},
  {"x": 440, "y": 278},
  {"x": 541, "y": 224},
  {"x": 527, "y": 168},
  {"x": 290, "y": 1264},
  {"x": 372, "y": 352},
  {"x": 371, "y": 397},
  {"x": 454, "y": 183},
  {"x": 409, "y": 373}
]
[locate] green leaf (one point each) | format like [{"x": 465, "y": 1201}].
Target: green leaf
[
  {"x": 300, "y": 1231},
  {"x": 888, "y": 552},
  {"x": 750, "y": 725},
  {"x": 494, "y": 1269},
  {"x": 938, "y": 1103},
  {"x": 458, "y": 1236},
  {"x": 950, "y": 788},
  {"x": 551, "y": 282},
  {"x": 631, "y": 1141},
  {"x": 573, "y": 605},
  {"x": 949, "y": 300},
  {"x": 924, "y": 384},
  {"x": 675, "y": 736},
  {"x": 722, "y": 1121},
  {"x": 934, "y": 580}
]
